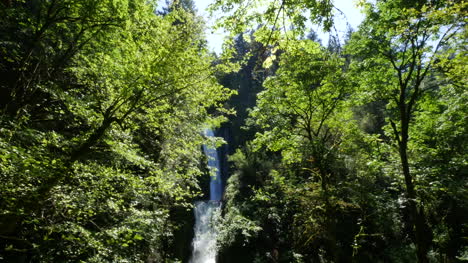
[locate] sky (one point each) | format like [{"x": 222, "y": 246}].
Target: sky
[{"x": 352, "y": 15}]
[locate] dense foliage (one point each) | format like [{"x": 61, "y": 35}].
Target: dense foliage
[
  {"x": 359, "y": 155},
  {"x": 102, "y": 108},
  {"x": 354, "y": 152}
]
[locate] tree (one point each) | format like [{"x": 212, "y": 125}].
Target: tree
[
  {"x": 301, "y": 116},
  {"x": 276, "y": 15},
  {"x": 171, "y": 5},
  {"x": 274, "y": 21},
  {"x": 41, "y": 37},
  {"x": 399, "y": 42},
  {"x": 299, "y": 104},
  {"x": 99, "y": 152}
]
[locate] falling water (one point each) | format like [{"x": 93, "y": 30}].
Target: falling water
[
  {"x": 204, "y": 242},
  {"x": 213, "y": 163}
]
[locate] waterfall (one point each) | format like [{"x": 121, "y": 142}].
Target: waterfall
[
  {"x": 216, "y": 187},
  {"x": 204, "y": 242}
]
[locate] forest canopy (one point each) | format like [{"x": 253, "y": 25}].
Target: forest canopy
[{"x": 354, "y": 151}]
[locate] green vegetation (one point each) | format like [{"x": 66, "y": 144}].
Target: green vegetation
[
  {"x": 354, "y": 152},
  {"x": 103, "y": 104}
]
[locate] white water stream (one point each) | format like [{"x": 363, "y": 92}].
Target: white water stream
[{"x": 204, "y": 242}]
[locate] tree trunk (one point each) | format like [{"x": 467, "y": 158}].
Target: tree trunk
[
  {"x": 92, "y": 140},
  {"x": 422, "y": 235}
]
